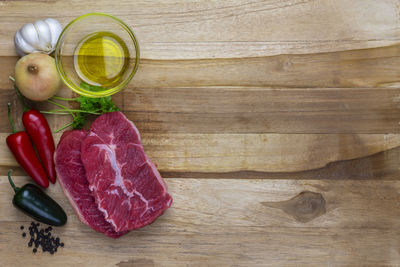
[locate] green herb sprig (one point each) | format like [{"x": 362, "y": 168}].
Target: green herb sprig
[{"x": 87, "y": 105}]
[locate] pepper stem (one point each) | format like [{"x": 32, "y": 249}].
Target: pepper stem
[
  {"x": 26, "y": 108},
  {"x": 16, "y": 189},
  {"x": 10, "y": 118}
]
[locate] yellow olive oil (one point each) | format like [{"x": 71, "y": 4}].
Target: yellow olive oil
[{"x": 101, "y": 59}]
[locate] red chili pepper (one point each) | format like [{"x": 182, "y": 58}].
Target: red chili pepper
[
  {"x": 22, "y": 148},
  {"x": 39, "y": 131}
]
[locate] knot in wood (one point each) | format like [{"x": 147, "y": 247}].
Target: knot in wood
[
  {"x": 309, "y": 202},
  {"x": 304, "y": 207}
]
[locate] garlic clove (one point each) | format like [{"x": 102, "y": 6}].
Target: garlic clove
[
  {"x": 55, "y": 29},
  {"x": 40, "y": 36},
  {"x": 30, "y": 35},
  {"x": 21, "y": 45},
  {"x": 44, "y": 35}
]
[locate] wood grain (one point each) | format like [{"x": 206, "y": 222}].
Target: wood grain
[
  {"x": 223, "y": 29},
  {"x": 163, "y": 98},
  {"x": 304, "y": 207},
  {"x": 219, "y": 153},
  {"x": 229, "y": 225},
  {"x": 263, "y": 110},
  {"x": 275, "y": 123},
  {"x": 375, "y": 67}
]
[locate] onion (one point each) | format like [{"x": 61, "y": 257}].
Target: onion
[{"x": 36, "y": 76}]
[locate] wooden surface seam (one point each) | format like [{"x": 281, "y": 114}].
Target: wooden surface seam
[{"x": 276, "y": 125}]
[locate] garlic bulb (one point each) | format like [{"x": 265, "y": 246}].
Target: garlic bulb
[{"x": 40, "y": 36}]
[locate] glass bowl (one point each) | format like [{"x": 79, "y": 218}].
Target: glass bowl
[{"x": 72, "y": 37}]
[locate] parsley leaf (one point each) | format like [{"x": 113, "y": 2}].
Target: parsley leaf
[
  {"x": 88, "y": 106},
  {"x": 79, "y": 121},
  {"x": 92, "y": 105},
  {"x": 102, "y": 104}
]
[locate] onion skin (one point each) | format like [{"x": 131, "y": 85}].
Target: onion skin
[{"x": 36, "y": 76}]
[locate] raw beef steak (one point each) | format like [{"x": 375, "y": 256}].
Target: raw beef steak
[
  {"x": 72, "y": 178},
  {"x": 127, "y": 187}
]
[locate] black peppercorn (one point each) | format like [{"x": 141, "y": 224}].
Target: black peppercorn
[{"x": 42, "y": 238}]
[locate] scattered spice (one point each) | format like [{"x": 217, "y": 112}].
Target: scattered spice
[{"x": 42, "y": 238}]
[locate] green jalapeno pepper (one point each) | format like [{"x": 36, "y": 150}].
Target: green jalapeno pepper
[{"x": 34, "y": 202}]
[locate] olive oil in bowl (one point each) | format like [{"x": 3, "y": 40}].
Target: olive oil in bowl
[{"x": 101, "y": 59}]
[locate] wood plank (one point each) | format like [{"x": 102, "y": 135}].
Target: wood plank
[
  {"x": 208, "y": 29},
  {"x": 377, "y": 67},
  {"x": 232, "y": 225},
  {"x": 262, "y": 152},
  {"x": 375, "y": 156},
  {"x": 262, "y": 110},
  {"x": 246, "y": 110}
]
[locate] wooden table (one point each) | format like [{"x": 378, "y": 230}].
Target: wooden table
[{"x": 275, "y": 124}]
